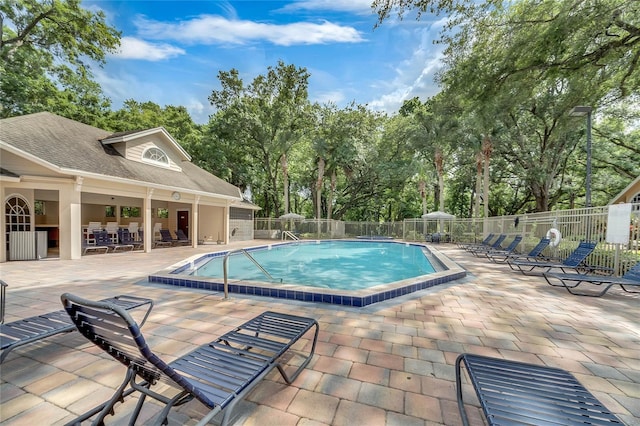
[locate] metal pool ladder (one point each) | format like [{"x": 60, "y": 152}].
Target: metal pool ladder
[{"x": 225, "y": 269}]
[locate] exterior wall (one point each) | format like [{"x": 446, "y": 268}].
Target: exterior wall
[
  {"x": 240, "y": 224},
  {"x": 211, "y": 224},
  {"x": 135, "y": 149}
]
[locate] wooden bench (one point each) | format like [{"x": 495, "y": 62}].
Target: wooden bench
[
  {"x": 28, "y": 330},
  {"x": 518, "y": 393}
]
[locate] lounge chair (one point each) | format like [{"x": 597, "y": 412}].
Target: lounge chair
[
  {"x": 517, "y": 393},
  {"x": 3, "y": 299},
  {"x": 570, "y": 281},
  {"x": 103, "y": 239},
  {"x": 506, "y": 251},
  {"x": 182, "y": 237},
  {"x": 485, "y": 242},
  {"x": 21, "y": 332},
  {"x": 125, "y": 238},
  {"x": 575, "y": 261},
  {"x": 101, "y": 242},
  {"x": 497, "y": 245},
  {"x": 218, "y": 374},
  {"x": 534, "y": 255}
]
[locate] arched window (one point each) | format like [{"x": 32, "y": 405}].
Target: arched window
[
  {"x": 636, "y": 200},
  {"x": 17, "y": 215},
  {"x": 156, "y": 155}
]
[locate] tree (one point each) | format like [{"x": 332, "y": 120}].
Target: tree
[
  {"x": 44, "y": 54},
  {"x": 265, "y": 118}
]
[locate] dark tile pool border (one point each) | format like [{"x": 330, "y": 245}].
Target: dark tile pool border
[{"x": 446, "y": 271}]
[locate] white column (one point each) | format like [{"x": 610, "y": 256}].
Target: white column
[
  {"x": 70, "y": 215},
  {"x": 148, "y": 225},
  {"x": 3, "y": 227},
  {"x": 194, "y": 221}
]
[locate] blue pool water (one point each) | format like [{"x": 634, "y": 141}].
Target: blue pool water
[
  {"x": 345, "y": 265},
  {"x": 349, "y": 273}
]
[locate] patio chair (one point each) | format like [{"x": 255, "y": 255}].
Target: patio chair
[
  {"x": 497, "y": 245},
  {"x": 217, "y": 374},
  {"x": 518, "y": 393},
  {"x": 101, "y": 242},
  {"x": 28, "y": 330},
  {"x": 484, "y": 242},
  {"x": 533, "y": 255},
  {"x": 182, "y": 237},
  {"x": 506, "y": 251},
  {"x": 575, "y": 261},
  {"x": 166, "y": 237},
  {"x": 631, "y": 278},
  {"x": 3, "y": 299},
  {"x": 103, "y": 239},
  {"x": 125, "y": 238}
]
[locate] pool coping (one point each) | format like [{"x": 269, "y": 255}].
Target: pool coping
[{"x": 446, "y": 271}]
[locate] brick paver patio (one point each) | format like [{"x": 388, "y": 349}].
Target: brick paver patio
[{"x": 390, "y": 363}]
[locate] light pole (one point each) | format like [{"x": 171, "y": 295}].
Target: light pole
[{"x": 580, "y": 111}]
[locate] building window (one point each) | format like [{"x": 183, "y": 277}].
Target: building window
[
  {"x": 636, "y": 200},
  {"x": 17, "y": 215},
  {"x": 109, "y": 211},
  {"x": 38, "y": 208},
  {"x": 162, "y": 213},
  {"x": 129, "y": 211},
  {"x": 156, "y": 155}
]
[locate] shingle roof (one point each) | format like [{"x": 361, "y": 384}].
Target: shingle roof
[{"x": 74, "y": 148}]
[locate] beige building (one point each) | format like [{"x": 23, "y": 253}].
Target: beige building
[
  {"x": 58, "y": 176},
  {"x": 631, "y": 194}
]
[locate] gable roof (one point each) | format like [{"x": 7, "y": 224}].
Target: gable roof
[
  {"x": 134, "y": 134},
  {"x": 73, "y": 148},
  {"x": 615, "y": 199}
]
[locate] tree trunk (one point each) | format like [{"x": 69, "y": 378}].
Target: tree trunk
[
  {"x": 334, "y": 179},
  {"x": 486, "y": 153},
  {"x": 478, "y": 183},
  {"x": 285, "y": 180},
  {"x": 439, "y": 160},
  {"x": 319, "y": 188}
]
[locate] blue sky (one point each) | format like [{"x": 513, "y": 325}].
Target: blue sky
[{"x": 171, "y": 51}]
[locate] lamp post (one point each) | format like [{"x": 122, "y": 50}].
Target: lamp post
[{"x": 581, "y": 111}]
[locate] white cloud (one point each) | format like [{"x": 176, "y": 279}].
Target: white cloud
[
  {"x": 361, "y": 7},
  {"x": 135, "y": 48},
  {"x": 213, "y": 29},
  {"x": 413, "y": 77},
  {"x": 334, "y": 96}
]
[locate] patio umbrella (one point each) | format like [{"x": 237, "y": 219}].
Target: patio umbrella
[
  {"x": 440, "y": 216},
  {"x": 292, "y": 216}
]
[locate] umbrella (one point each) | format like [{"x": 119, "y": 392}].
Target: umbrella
[
  {"x": 438, "y": 215},
  {"x": 292, "y": 216}
]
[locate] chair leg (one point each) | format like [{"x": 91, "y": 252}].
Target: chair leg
[
  {"x": 290, "y": 378},
  {"x": 118, "y": 396}
]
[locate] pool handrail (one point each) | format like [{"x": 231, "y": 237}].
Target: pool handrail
[{"x": 225, "y": 269}]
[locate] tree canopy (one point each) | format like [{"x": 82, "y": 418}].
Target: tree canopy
[{"x": 497, "y": 139}]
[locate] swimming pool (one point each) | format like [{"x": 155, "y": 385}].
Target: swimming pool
[{"x": 355, "y": 273}]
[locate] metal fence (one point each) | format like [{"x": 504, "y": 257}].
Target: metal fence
[{"x": 574, "y": 226}]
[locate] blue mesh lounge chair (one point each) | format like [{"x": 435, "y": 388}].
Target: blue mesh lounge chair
[
  {"x": 166, "y": 237},
  {"x": 575, "y": 261},
  {"x": 506, "y": 251},
  {"x": 21, "y": 332},
  {"x": 517, "y": 393},
  {"x": 570, "y": 281},
  {"x": 496, "y": 245},
  {"x": 217, "y": 374},
  {"x": 182, "y": 237},
  {"x": 484, "y": 242},
  {"x": 103, "y": 239},
  {"x": 533, "y": 255},
  {"x": 100, "y": 242},
  {"x": 125, "y": 238}
]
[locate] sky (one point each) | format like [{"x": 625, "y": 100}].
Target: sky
[{"x": 171, "y": 51}]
